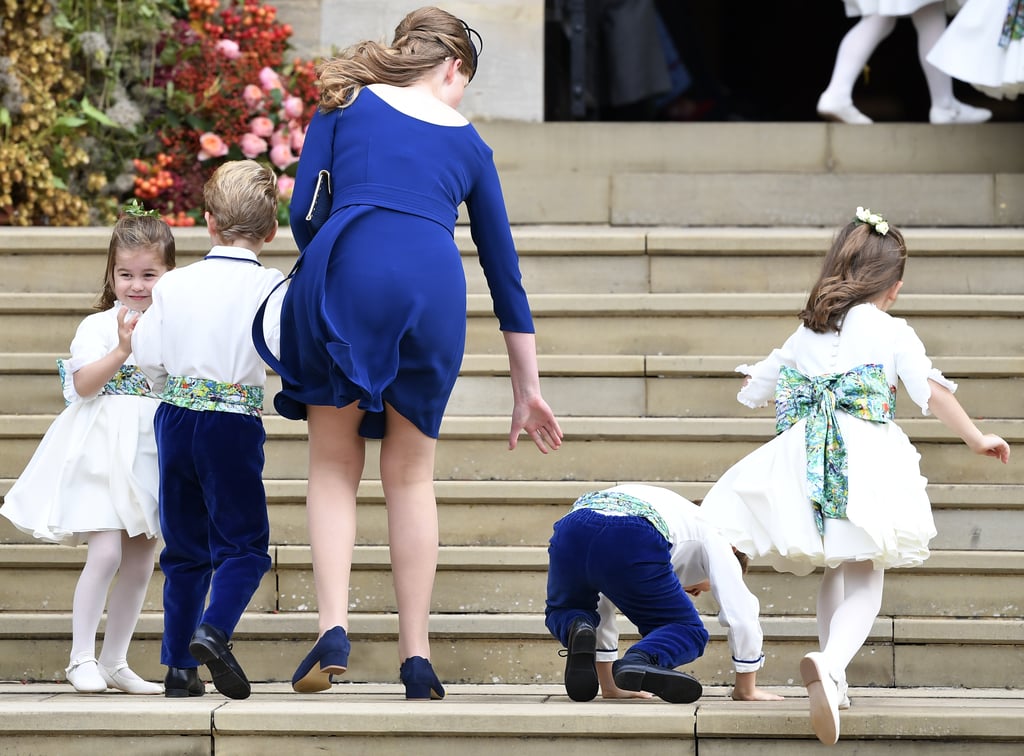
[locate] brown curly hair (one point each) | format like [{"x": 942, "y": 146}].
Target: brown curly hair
[
  {"x": 860, "y": 265},
  {"x": 423, "y": 39}
]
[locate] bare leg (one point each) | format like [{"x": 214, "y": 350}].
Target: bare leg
[
  {"x": 407, "y": 474},
  {"x": 336, "y": 456},
  {"x": 127, "y": 597}
]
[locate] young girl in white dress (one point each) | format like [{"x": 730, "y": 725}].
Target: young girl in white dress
[
  {"x": 840, "y": 487},
  {"x": 984, "y": 46},
  {"x": 878, "y": 19},
  {"x": 93, "y": 478}
]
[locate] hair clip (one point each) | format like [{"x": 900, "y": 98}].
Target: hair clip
[
  {"x": 136, "y": 209},
  {"x": 476, "y": 48},
  {"x": 876, "y": 221}
]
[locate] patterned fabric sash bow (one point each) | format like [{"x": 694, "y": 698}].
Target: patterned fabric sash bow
[
  {"x": 1013, "y": 24},
  {"x": 863, "y": 392},
  {"x": 616, "y": 501},
  {"x": 205, "y": 395},
  {"x": 129, "y": 380}
]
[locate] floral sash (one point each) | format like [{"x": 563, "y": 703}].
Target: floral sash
[
  {"x": 616, "y": 501},
  {"x": 129, "y": 380},
  {"x": 1013, "y": 25},
  {"x": 863, "y": 392},
  {"x": 204, "y": 395}
]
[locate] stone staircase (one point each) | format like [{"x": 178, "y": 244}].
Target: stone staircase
[{"x": 642, "y": 314}]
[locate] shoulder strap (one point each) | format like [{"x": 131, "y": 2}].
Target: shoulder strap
[{"x": 259, "y": 340}]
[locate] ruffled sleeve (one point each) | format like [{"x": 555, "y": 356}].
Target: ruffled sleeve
[
  {"x": 94, "y": 339},
  {"x": 760, "y": 390},
  {"x": 915, "y": 368}
]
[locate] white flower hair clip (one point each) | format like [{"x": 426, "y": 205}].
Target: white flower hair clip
[{"x": 876, "y": 221}]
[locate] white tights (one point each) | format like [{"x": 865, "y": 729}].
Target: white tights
[
  {"x": 131, "y": 559},
  {"x": 849, "y": 599},
  {"x": 860, "y": 42}
]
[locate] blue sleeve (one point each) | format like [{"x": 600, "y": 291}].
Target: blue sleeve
[
  {"x": 489, "y": 227},
  {"x": 316, "y": 155}
]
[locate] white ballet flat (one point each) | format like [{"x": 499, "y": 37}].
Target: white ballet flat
[
  {"x": 823, "y": 697},
  {"x": 84, "y": 676},
  {"x": 843, "y": 113},
  {"x": 959, "y": 113},
  {"x": 122, "y": 678}
]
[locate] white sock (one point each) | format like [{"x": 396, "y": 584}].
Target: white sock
[
  {"x": 101, "y": 563},
  {"x": 930, "y": 22},
  {"x": 852, "y": 619},
  {"x": 126, "y": 598},
  {"x": 853, "y": 54}
]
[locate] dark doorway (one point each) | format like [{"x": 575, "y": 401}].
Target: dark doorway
[{"x": 749, "y": 64}]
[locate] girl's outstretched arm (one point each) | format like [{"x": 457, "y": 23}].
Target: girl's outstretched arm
[{"x": 946, "y": 407}]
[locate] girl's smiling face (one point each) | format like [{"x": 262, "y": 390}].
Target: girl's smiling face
[{"x": 136, "y": 271}]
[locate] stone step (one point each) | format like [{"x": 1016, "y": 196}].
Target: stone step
[
  {"x": 589, "y": 258},
  {"x": 517, "y": 649},
  {"x": 757, "y": 174},
  {"x": 533, "y": 719},
  {"x": 649, "y": 449},
  {"x": 520, "y": 513},
  {"x": 655, "y": 385},
  {"x": 510, "y": 579},
  {"x": 573, "y": 324}
]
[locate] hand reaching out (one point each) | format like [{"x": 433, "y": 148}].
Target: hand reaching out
[
  {"x": 992, "y": 445},
  {"x": 536, "y": 418}
]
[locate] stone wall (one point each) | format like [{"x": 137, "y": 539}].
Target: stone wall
[{"x": 510, "y": 82}]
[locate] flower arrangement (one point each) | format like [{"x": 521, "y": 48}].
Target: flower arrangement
[
  {"x": 876, "y": 221},
  {"x": 229, "y": 95},
  {"x": 106, "y": 100}
]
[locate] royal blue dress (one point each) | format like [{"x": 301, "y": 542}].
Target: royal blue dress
[{"x": 376, "y": 312}]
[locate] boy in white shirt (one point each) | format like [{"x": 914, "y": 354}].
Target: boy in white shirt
[
  {"x": 642, "y": 548},
  {"x": 195, "y": 345}
]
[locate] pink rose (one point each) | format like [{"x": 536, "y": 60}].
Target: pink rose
[
  {"x": 229, "y": 49},
  {"x": 281, "y": 156},
  {"x": 252, "y": 95},
  {"x": 211, "y": 146},
  {"x": 279, "y": 137},
  {"x": 261, "y": 126},
  {"x": 252, "y": 145},
  {"x": 298, "y": 139},
  {"x": 285, "y": 185},
  {"x": 269, "y": 79},
  {"x": 293, "y": 107}
]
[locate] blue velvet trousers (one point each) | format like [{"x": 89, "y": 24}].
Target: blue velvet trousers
[
  {"x": 628, "y": 560},
  {"x": 213, "y": 514}
]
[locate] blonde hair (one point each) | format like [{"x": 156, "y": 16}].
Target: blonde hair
[
  {"x": 860, "y": 265},
  {"x": 135, "y": 232},
  {"x": 423, "y": 40},
  {"x": 241, "y": 196}
]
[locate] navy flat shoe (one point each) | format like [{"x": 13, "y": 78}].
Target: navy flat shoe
[
  {"x": 328, "y": 657},
  {"x": 420, "y": 681}
]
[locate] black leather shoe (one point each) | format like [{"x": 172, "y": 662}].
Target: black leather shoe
[
  {"x": 580, "y": 670},
  {"x": 183, "y": 682},
  {"x": 210, "y": 647},
  {"x": 637, "y": 670}
]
